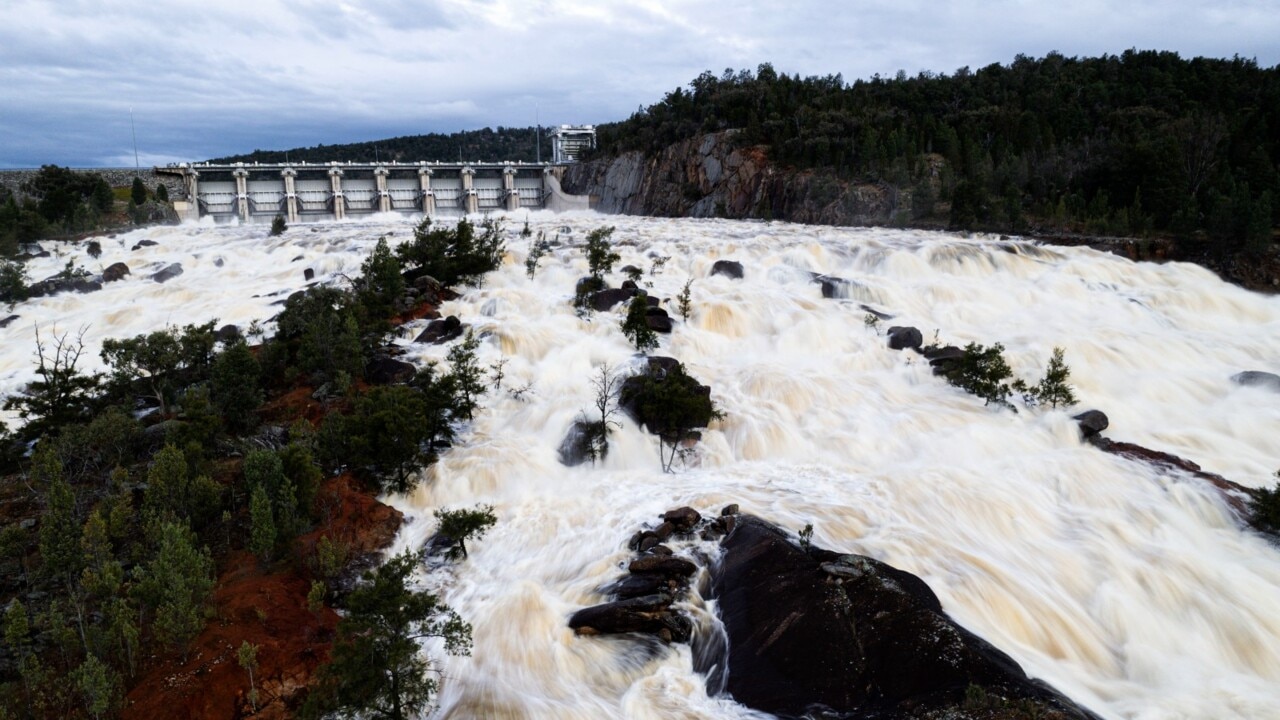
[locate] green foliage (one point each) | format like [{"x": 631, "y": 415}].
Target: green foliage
[
  {"x": 1264, "y": 509},
  {"x": 871, "y": 320},
  {"x": 636, "y": 326},
  {"x": 59, "y": 524},
  {"x": 13, "y": 282},
  {"x": 377, "y": 290},
  {"x": 671, "y": 405},
  {"x": 236, "y": 386},
  {"x": 173, "y": 495},
  {"x": 439, "y": 393},
  {"x": 983, "y": 371},
  {"x": 302, "y": 474},
  {"x": 98, "y": 685},
  {"x": 321, "y": 334},
  {"x": 462, "y": 525},
  {"x": 164, "y": 361},
  {"x": 162, "y": 193},
  {"x": 62, "y": 395},
  {"x": 537, "y": 250},
  {"x": 600, "y": 254},
  {"x": 586, "y": 287},
  {"x": 176, "y": 584},
  {"x": 1053, "y": 388},
  {"x": 247, "y": 657},
  {"x": 633, "y": 273},
  {"x": 91, "y": 450},
  {"x": 331, "y": 558},
  {"x": 383, "y": 439},
  {"x": 454, "y": 256},
  {"x": 262, "y": 533},
  {"x": 57, "y": 200},
  {"x": 377, "y": 669},
  {"x": 466, "y": 376},
  {"x": 685, "y": 300},
  {"x": 498, "y": 144},
  {"x": 138, "y": 192},
  {"x": 806, "y": 536},
  {"x": 1120, "y": 144},
  {"x": 278, "y": 226}
]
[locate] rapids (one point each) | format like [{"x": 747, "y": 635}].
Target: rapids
[{"x": 1132, "y": 590}]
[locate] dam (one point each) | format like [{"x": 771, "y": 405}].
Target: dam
[{"x": 256, "y": 192}]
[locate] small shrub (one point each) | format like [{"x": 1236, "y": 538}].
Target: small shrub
[
  {"x": 872, "y": 321},
  {"x": 278, "y": 225},
  {"x": 537, "y": 249},
  {"x": 600, "y": 254}
]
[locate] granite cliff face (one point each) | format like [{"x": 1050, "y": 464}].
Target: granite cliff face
[{"x": 712, "y": 176}]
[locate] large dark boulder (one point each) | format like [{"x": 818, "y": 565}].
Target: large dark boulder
[
  {"x": 731, "y": 269},
  {"x": 645, "y": 398},
  {"x": 389, "y": 371},
  {"x": 6, "y": 322},
  {"x": 168, "y": 273},
  {"x": 649, "y": 614},
  {"x": 441, "y": 331},
  {"x": 658, "y": 320},
  {"x": 905, "y": 338},
  {"x": 1258, "y": 379},
  {"x": 1092, "y": 422},
  {"x": 56, "y": 284},
  {"x": 604, "y": 300},
  {"x": 227, "y": 334},
  {"x": 943, "y": 359},
  {"x": 578, "y": 444},
  {"x": 819, "y": 632},
  {"x": 114, "y": 272}
]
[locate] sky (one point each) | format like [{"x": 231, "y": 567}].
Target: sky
[{"x": 196, "y": 79}]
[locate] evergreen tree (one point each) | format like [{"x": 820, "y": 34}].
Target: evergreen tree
[
  {"x": 466, "y": 377},
  {"x": 462, "y": 525},
  {"x": 636, "y": 325},
  {"x": 236, "y": 386},
  {"x": 176, "y": 584},
  {"x": 1053, "y": 387},
  {"x": 62, "y": 395},
  {"x": 262, "y": 536},
  {"x": 377, "y": 669},
  {"x": 162, "y": 193},
  {"x": 600, "y": 254},
  {"x": 278, "y": 226},
  {"x": 383, "y": 439},
  {"x": 138, "y": 192}
]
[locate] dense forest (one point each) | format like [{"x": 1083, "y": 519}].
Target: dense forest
[
  {"x": 119, "y": 526},
  {"x": 515, "y": 144},
  {"x": 1139, "y": 143}
]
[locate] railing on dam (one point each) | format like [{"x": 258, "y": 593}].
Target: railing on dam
[{"x": 338, "y": 190}]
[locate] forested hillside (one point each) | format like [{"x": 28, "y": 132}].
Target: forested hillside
[
  {"x": 1131, "y": 144},
  {"x": 515, "y": 144}
]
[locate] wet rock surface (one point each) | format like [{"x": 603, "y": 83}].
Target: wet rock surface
[
  {"x": 731, "y": 269},
  {"x": 441, "y": 331},
  {"x": 905, "y": 338},
  {"x": 813, "y": 632}
]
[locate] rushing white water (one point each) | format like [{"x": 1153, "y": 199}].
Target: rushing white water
[{"x": 1130, "y": 589}]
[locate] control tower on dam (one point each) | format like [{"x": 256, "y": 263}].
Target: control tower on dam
[{"x": 302, "y": 191}]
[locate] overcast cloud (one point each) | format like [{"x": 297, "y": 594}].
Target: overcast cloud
[{"x": 213, "y": 78}]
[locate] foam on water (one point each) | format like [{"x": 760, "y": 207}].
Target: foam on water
[{"x": 1130, "y": 589}]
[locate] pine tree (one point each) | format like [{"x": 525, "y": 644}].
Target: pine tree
[
  {"x": 138, "y": 192},
  {"x": 236, "y": 379},
  {"x": 262, "y": 535},
  {"x": 636, "y": 325},
  {"x": 176, "y": 584},
  {"x": 462, "y": 525},
  {"x": 466, "y": 376},
  {"x": 1053, "y": 387},
  {"x": 600, "y": 254}
]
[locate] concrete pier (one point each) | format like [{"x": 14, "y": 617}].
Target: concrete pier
[{"x": 254, "y": 192}]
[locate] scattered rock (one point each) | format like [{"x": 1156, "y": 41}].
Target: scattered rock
[
  {"x": 8, "y": 321},
  {"x": 664, "y": 565},
  {"x": 227, "y": 334},
  {"x": 905, "y": 338},
  {"x": 168, "y": 273},
  {"x": 144, "y": 243},
  {"x": 55, "y": 285},
  {"x": 943, "y": 359},
  {"x": 300, "y": 257},
  {"x": 633, "y": 586},
  {"x": 114, "y": 272},
  {"x": 646, "y": 614},
  {"x": 731, "y": 269},
  {"x": 835, "y": 287},
  {"x": 630, "y": 285},
  {"x": 730, "y": 509},
  {"x": 441, "y": 331},
  {"x": 1092, "y": 422},
  {"x": 308, "y": 274},
  {"x": 219, "y": 262},
  {"x": 576, "y": 448},
  {"x": 1259, "y": 379},
  {"x": 683, "y": 519},
  {"x": 384, "y": 370}
]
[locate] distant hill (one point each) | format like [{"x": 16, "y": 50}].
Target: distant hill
[{"x": 515, "y": 144}]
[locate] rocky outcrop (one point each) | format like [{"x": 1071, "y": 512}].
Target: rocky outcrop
[
  {"x": 816, "y": 633},
  {"x": 168, "y": 273},
  {"x": 58, "y": 284},
  {"x": 115, "y": 272},
  {"x": 441, "y": 331},
  {"x": 905, "y": 338},
  {"x": 712, "y": 176}
]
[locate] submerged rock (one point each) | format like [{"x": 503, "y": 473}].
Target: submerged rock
[
  {"x": 1092, "y": 422},
  {"x": 1257, "y": 378},
  {"x": 168, "y": 273},
  {"x": 905, "y": 338},
  {"x": 731, "y": 269}
]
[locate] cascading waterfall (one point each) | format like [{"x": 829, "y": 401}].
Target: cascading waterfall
[{"x": 1130, "y": 589}]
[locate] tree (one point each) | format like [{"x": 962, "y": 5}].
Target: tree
[
  {"x": 13, "y": 282},
  {"x": 138, "y": 192},
  {"x": 983, "y": 371},
  {"x": 382, "y": 440},
  {"x": 162, "y": 193},
  {"x": 636, "y": 325},
  {"x": 236, "y": 384},
  {"x": 1264, "y": 508},
  {"x": 606, "y": 383},
  {"x": 466, "y": 375},
  {"x": 278, "y": 226},
  {"x": 457, "y": 256},
  {"x": 262, "y": 534},
  {"x": 685, "y": 300},
  {"x": 247, "y": 656},
  {"x": 165, "y": 360},
  {"x": 320, "y": 330},
  {"x": 99, "y": 686},
  {"x": 671, "y": 404},
  {"x": 462, "y": 525},
  {"x": 377, "y": 669},
  {"x": 174, "y": 495},
  {"x": 600, "y": 254},
  {"x": 1053, "y": 388},
  {"x": 62, "y": 395},
  {"x": 176, "y": 584}
]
